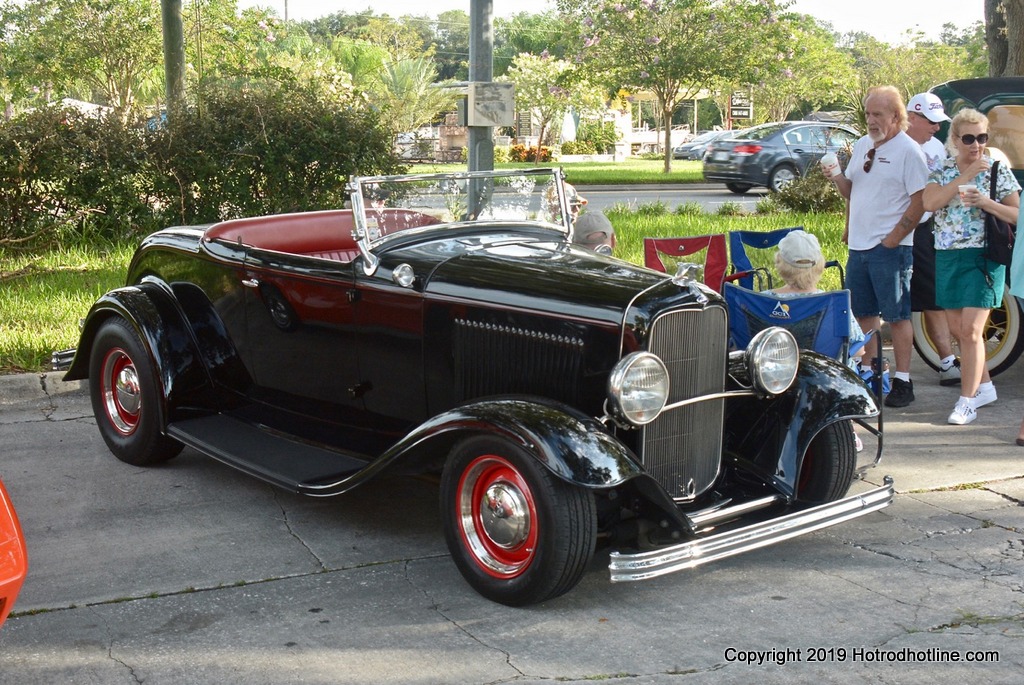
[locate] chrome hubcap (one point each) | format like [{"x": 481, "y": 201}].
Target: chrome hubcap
[{"x": 122, "y": 396}]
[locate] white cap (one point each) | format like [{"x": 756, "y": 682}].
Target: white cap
[
  {"x": 800, "y": 249},
  {"x": 929, "y": 106}
]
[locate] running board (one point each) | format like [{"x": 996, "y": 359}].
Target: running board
[
  {"x": 268, "y": 455},
  {"x": 644, "y": 565}
]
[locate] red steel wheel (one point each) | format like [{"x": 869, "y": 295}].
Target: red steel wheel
[{"x": 517, "y": 532}]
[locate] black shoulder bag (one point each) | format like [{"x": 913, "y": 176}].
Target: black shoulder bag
[{"x": 999, "y": 234}]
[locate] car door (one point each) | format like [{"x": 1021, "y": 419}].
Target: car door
[
  {"x": 806, "y": 145},
  {"x": 301, "y": 340}
]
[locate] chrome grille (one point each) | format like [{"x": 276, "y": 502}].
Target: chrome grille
[{"x": 682, "y": 448}]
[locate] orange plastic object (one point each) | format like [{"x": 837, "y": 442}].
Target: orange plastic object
[{"x": 13, "y": 555}]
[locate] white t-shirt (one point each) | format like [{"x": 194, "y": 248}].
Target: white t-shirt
[
  {"x": 934, "y": 155},
  {"x": 879, "y": 197}
]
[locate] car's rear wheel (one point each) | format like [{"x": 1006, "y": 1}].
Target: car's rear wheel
[
  {"x": 782, "y": 176},
  {"x": 829, "y": 465},
  {"x": 738, "y": 188},
  {"x": 1004, "y": 337},
  {"x": 518, "y": 534},
  {"x": 125, "y": 397}
]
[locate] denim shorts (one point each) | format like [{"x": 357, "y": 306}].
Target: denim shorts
[{"x": 879, "y": 281}]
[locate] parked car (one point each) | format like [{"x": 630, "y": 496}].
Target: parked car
[
  {"x": 13, "y": 555},
  {"x": 772, "y": 155},
  {"x": 447, "y": 324},
  {"x": 694, "y": 149}
]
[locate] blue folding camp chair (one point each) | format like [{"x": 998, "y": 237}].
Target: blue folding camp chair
[
  {"x": 747, "y": 271},
  {"x": 819, "y": 322},
  {"x": 743, "y": 270}
]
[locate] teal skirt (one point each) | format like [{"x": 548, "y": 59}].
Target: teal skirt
[{"x": 964, "y": 278}]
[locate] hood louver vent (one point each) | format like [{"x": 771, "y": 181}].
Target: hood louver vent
[{"x": 497, "y": 359}]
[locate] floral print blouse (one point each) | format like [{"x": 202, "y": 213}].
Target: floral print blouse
[{"x": 956, "y": 226}]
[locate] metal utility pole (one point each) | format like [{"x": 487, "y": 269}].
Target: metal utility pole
[
  {"x": 480, "y": 144},
  {"x": 174, "y": 54}
]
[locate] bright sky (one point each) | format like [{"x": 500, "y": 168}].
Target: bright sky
[{"x": 886, "y": 19}]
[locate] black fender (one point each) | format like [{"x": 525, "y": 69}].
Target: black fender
[
  {"x": 573, "y": 446},
  {"x": 824, "y": 392},
  {"x": 151, "y": 309}
]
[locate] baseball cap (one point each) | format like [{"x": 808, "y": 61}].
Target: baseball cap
[
  {"x": 800, "y": 249},
  {"x": 593, "y": 230},
  {"x": 929, "y": 106}
]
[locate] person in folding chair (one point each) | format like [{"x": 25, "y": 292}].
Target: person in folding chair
[{"x": 800, "y": 263}]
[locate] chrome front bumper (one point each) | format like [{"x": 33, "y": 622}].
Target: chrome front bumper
[{"x": 644, "y": 565}]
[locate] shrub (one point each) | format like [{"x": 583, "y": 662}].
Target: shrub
[
  {"x": 501, "y": 154},
  {"x": 730, "y": 209},
  {"x": 578, "y": 147},
  {"x": 267, "y": 147},
  {"x": 811, "y": 193},
  {"x": 689, "y": 209},
  {"x": 601, "y": 134},
  {"x": 521, "y": 153}
]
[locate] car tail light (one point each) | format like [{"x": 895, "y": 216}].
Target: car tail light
[{"x": 747, "y": 149}]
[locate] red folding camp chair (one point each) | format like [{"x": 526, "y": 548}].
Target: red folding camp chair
[{"x": 716, "y": 259}]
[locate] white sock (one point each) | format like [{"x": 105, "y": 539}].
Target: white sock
[
  {"x": 903, "y": 375},
  {"x": 969, "y": 401}
]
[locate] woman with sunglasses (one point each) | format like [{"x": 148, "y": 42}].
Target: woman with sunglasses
[{"x": 967, "y": 285}]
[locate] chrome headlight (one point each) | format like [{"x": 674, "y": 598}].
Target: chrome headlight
[
  {"x": 638, "y": 388},
  {"x": 772, "y": 360}
]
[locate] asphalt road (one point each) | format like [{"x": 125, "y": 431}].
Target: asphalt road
[
  {"x": 710, "y": 196},
  {"x": 193, "y": 573}
]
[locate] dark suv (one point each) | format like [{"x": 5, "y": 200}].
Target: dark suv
[{"x": 772, "y": 155}]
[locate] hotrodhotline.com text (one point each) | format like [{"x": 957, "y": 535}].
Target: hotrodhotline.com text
[{"x": 869, "y": 655}]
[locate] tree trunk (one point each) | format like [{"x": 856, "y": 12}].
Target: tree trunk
[
  {"x": 666, "y": 118},
  {"x": 1004, "y": 35}
]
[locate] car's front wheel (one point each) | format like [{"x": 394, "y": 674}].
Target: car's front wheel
[
  {"x": 738, "y": 188},
  {"x": 518, "y": 534},
  {"x": 125, "y": 397},
  {"x": 829, "y": 465}
]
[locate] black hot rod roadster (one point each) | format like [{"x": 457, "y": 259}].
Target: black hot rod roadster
[{"x": 447, "y": 324}]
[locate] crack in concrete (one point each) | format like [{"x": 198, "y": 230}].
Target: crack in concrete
[
  {"x": 293, "y": 533},
  {"x": 112, "y": 643},
  {"x": 462, "y": 629}
]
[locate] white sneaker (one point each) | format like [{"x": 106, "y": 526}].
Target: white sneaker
[
  {"x": 950, "y": 376},
  {"x": 985, "y": 395},
  {"x": 963, "y": 414}
]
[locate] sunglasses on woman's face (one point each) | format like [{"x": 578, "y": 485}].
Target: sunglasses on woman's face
[
  {"x": 871, "y": 160},
  {"x": 969, "y": 138}
]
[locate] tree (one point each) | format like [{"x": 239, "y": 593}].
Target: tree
[
  {"x": 911, "y": 67},
  {"x": 811, "y": 74},
  {"x": 452, "y": 47},
  {"x": 548, "y": 87},
  {"x": 408, "y": 96},
  {"x": 676, "y": 48},
  {"x": 1004, "y": 34}
]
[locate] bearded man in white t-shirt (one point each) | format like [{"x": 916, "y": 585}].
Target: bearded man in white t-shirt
[{"x": 883, "y": 185}]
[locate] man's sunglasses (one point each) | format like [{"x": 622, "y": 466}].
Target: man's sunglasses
[
  {"x": 871, "y": 160},
  {"x": 969, "y": 138}
]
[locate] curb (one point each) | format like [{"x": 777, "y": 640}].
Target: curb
[{"x": 25, "y": 387}]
